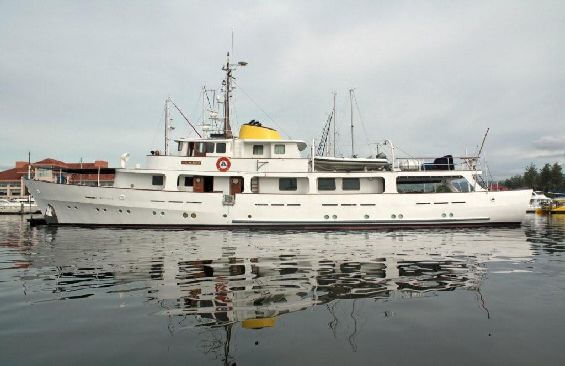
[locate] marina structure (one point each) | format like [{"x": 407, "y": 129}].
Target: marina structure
[{"x": 257, "y": 178}]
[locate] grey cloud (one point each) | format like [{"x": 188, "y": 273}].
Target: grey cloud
[{"x": 87, "y": 79}]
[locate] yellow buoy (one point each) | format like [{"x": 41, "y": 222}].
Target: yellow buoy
[{"x": 257, "y": 132}]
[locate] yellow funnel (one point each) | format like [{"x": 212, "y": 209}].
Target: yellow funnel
[{"x": 258, "y": 132}]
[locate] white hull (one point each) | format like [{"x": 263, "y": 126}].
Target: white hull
[{"x": 83, "y": 205}]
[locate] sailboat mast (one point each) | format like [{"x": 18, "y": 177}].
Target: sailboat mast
[
  {"x": 352, "y": 135},
  {"x": 334, "y": 123},
  {"x": 167, "y": 125}
]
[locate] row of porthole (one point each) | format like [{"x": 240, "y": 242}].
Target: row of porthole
[
  {"x": 119, "y": 210},
  {"x": 445, "y": 215},
  {"x": 185, "y": 215},
  {"x": 69, "y": 207},
  {"x": 399, "y": 216}
]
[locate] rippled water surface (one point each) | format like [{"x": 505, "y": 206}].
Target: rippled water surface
[{"x": 423, "y": 297}]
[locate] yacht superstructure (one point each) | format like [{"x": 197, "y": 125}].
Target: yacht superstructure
[{"x": 257, "y": 178}]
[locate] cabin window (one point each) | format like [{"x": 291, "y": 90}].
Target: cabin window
[
  {"x": 279, "y": 149},
  {"x": 188, "y": 181},
  {"x": 157, "y": 180},
  {"x": 439, "y": 184},
  {"x": 350, "y": 184},
  {"x": 220, "y": 148},
  {"x": 257, "y": 149},
  {"x": 287, "y": 184},
  {"x": 201, "y": 147},
  {"x": 180, "y": 146},
  {"x": 326, "y": 184}
]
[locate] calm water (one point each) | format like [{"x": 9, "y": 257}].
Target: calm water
[{"x": 422, "y": 297}]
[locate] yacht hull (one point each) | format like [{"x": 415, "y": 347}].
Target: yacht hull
[{"x": 123, "y": 207}]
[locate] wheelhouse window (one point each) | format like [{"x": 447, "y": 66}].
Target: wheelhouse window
[
  {"x": 257, "y": 149},
  {"x": 181, "y": 144},
  {"x": 157, "y": 180},
  {"x": 220, "y": 148},
  {"x": 210, "y": 147},
  {"x": 279, "y": 149},
  {"x": 188, "y": 181},
  {"x": 326, "y": 184},
  {"x": 288, "y": 184},
  {"x": 439, "y": 184},
  {"x": 350, "y": 184}
]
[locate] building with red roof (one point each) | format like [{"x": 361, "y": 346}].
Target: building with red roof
[{"x": 51, "y": 170}]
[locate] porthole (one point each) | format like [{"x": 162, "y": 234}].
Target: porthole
[
  {"x": 68, "y": 206},
  {"x": 443, "y": 215},
  {"x": 120, "y": 210},
  {"x": 97, "y": 209},
  {"x": 400, "y": 216},
  {"x": 366, "y": 216},
  {"x": 334, "y": 217},
  {"x": 193, "y": 215},
  {"x": 225, "y": 215},
  {"x": 128, "y": 211},
  {"x": 154, "y": 213},
  {"x": 104, "y": 209},
  {"x": 393, "y": 216},
  {"x": 326, "y": 217},
  {"x": 185, "y": 215},
  {"x": 132, "y": 185},
  {"x": 249, "y": 216},
  {"x": 451, "y": 214},
  {"x": 162, "y": 213},
  {"x": 76, "y": 208}
]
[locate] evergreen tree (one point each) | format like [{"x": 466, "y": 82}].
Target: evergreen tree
[
  {"x": 531, "y": 176},
  {"x": 556, "y": 177},
  {"x": 544, "y": 178}
]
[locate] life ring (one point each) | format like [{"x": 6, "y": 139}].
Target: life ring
[{"x": 223, "y": 164}]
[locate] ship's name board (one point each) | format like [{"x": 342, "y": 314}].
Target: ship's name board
[{"x": 191, "y": 162}]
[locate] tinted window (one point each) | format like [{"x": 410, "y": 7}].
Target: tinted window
[
  {"x": 287, "y": 184},
  {"x": 180, "y": 146},
  {"x": 188, "y": 181},
  {"x": 257, "y": 149},
  {"x": 157, "y": 180},
  {"x": 434, "y": 184},
  {"x": 350, "y": 184},
  {"x": 210, "y": 147},
  {"x": 326, "y": 184},
  {"x": 220, "y": 147},
  {"x": 279, "y": 149}
]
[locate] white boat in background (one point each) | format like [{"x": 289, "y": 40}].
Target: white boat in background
[
  {"x": 258, "y": 179},
  {"x": 538, "y": 200},
  {"x": 18, "y": 206}
]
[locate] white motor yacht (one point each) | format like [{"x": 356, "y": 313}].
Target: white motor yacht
[{"x": 259, "y": 179}]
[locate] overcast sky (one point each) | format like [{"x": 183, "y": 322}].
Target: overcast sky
[{"x": 88, "y": 78}]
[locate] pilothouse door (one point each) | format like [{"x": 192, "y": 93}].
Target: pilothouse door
[{"x": 236, "y": 185}]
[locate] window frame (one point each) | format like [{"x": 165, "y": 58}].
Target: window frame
[
  {"x": 326, "y": 180},
  {"x": 224, "y": 147},
  {"x": 350, "y": 179},
  {"x": 258, "y": 146},
  {"x": 161, "y": 177},
  {"x": 279, "y": 146},
  {"x": 291, "y": 187}
]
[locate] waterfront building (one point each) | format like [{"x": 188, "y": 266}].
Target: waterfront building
[{"x": 51, "y": 170}]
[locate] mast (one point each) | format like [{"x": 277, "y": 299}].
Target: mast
[
  {"x": 227, "y": 82},
  {"x": 334, "y": 123},
  {"x": 167, "y": 124},
  {"x": 352, "y": 135},
  {"x": 228, "y": 68}
]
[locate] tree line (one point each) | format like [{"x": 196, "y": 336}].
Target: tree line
[{"x": 548, "y": 179}]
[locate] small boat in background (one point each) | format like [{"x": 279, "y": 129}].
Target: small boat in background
[
  {"x": 538, "y": 201},
  {"x": 20, "y": 206}
]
